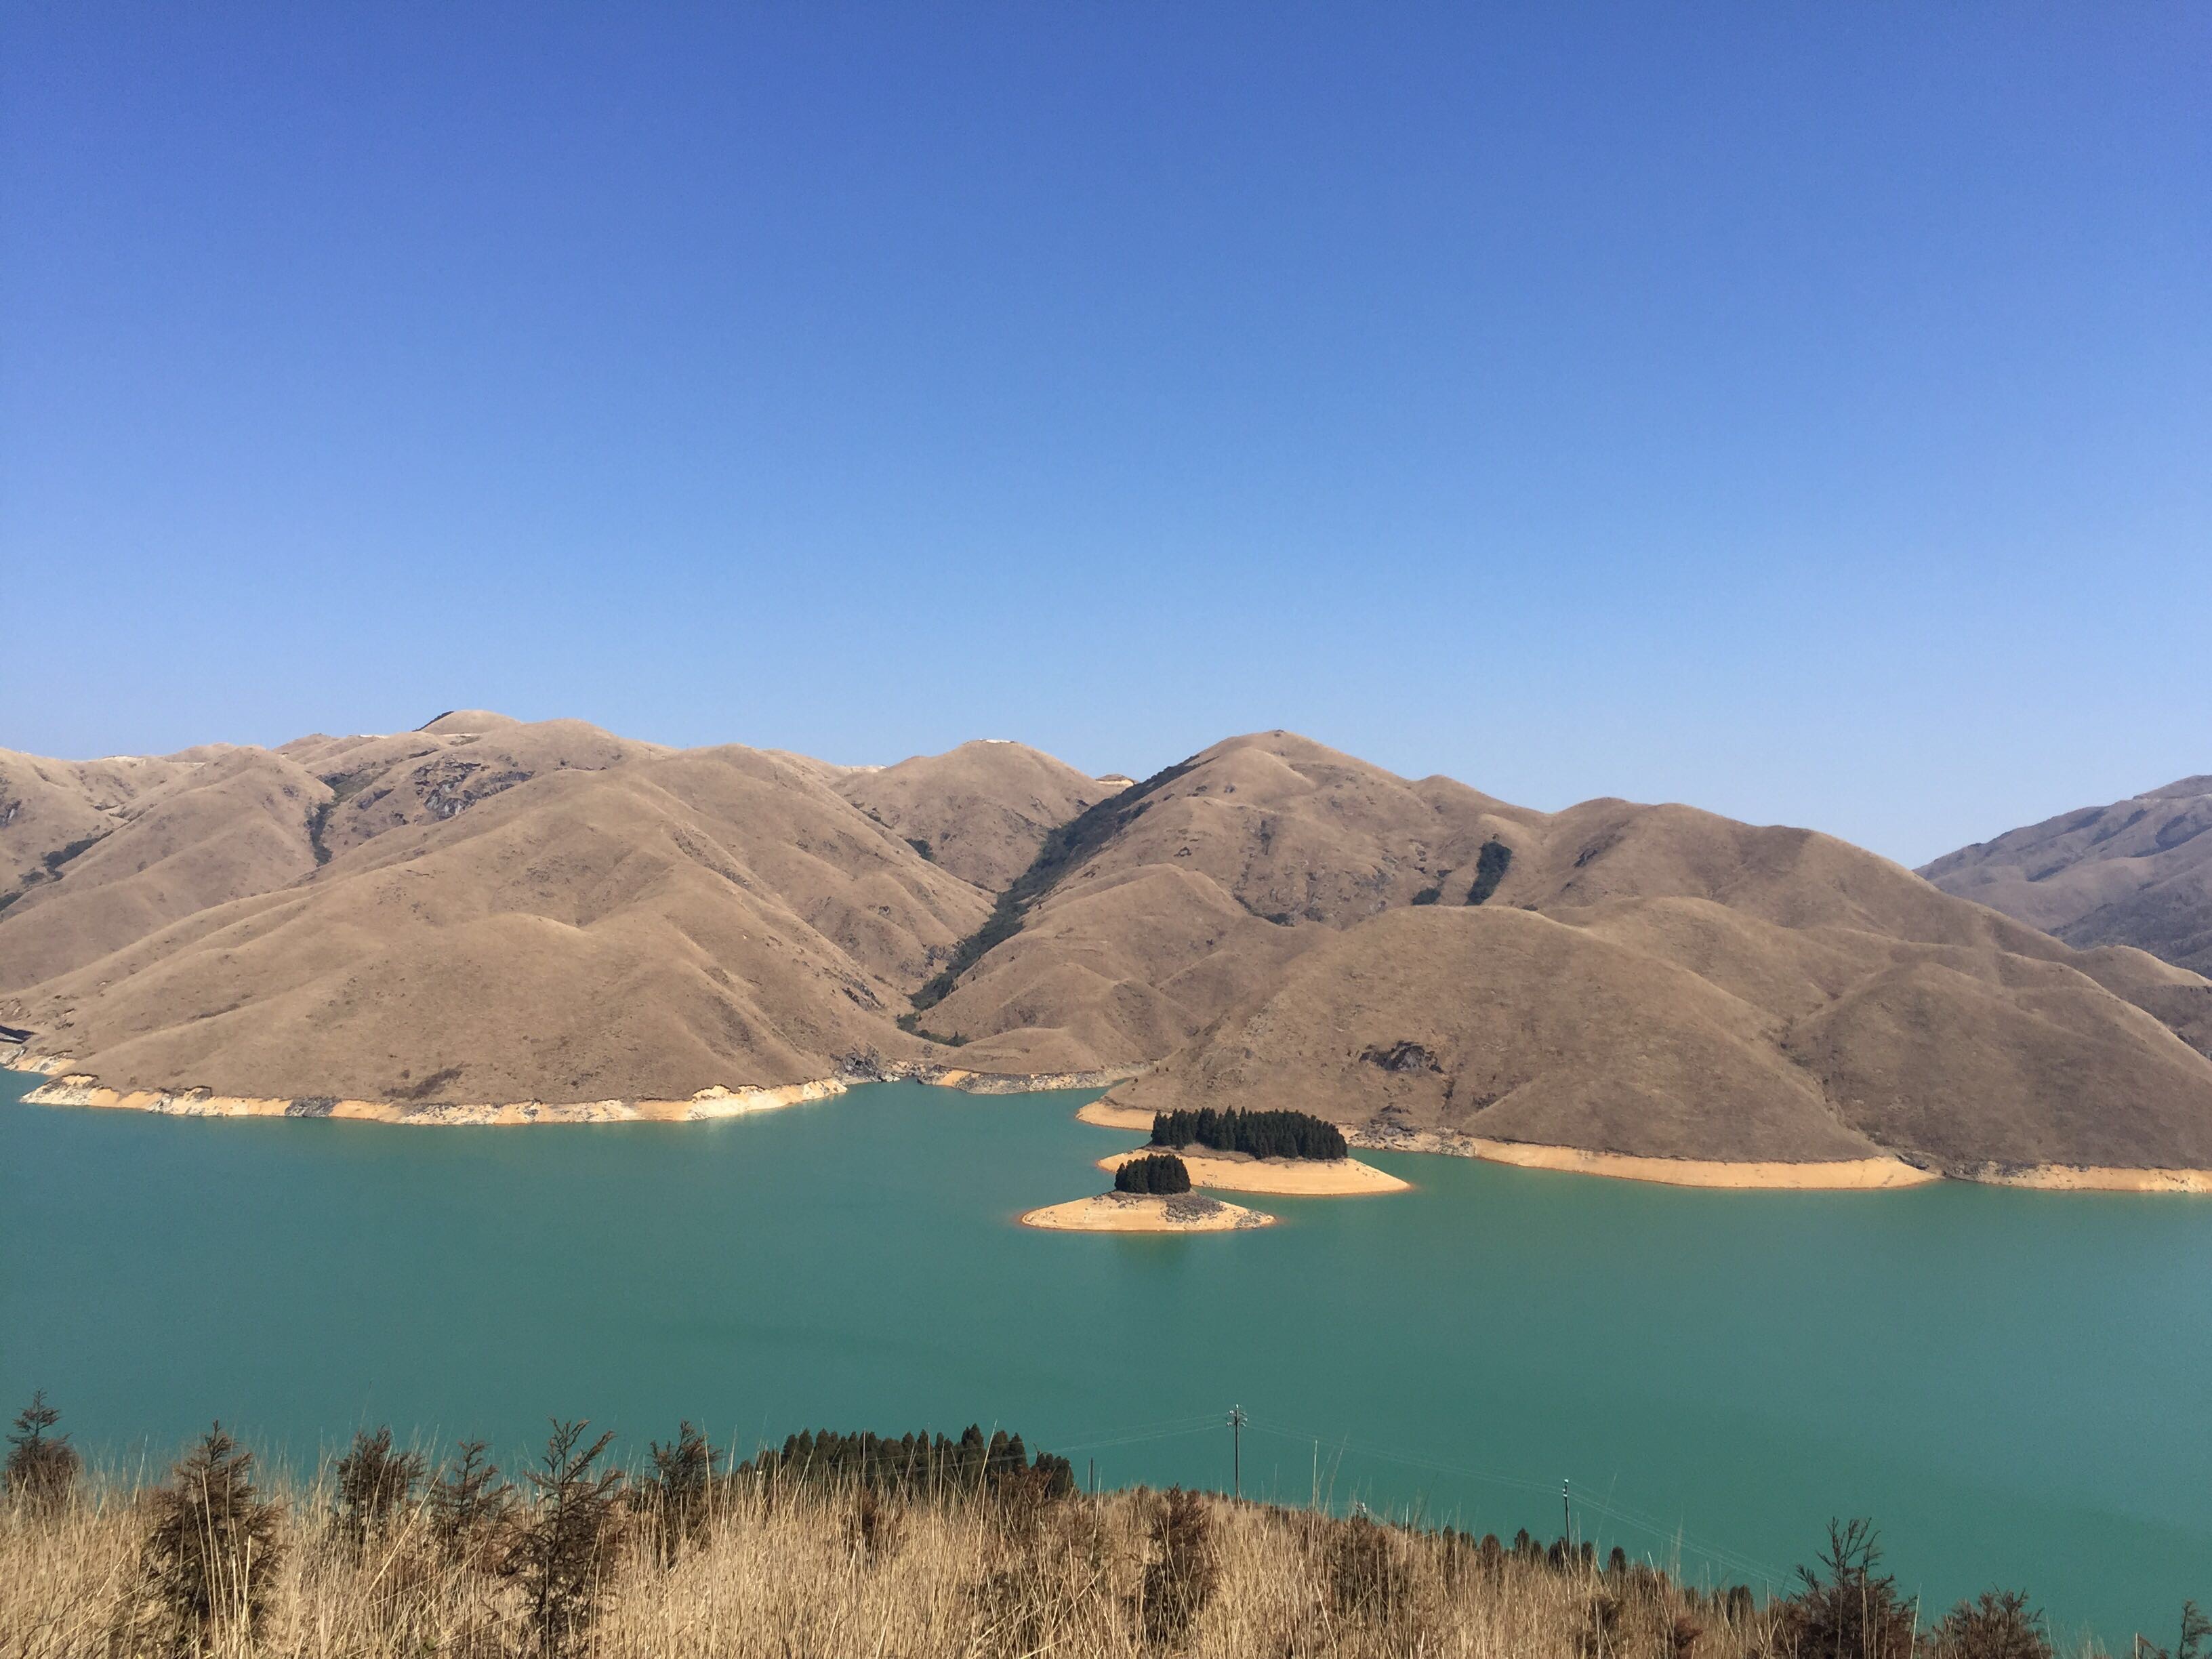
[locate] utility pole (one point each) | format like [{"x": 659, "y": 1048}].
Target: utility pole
[
  {"x": 1236, "y": 1420},
  {"x": 1094, "y": 1477},
  {"x": 1566, "y": 1516}
]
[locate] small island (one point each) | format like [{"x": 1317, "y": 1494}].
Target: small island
[
  {"x": 1292, "y": 1154},
  {"x": 1152, "y": 1194}
]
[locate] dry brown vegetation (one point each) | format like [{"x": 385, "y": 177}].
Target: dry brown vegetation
[
  {"x": 485, "y": 912},
  {"x": 777, "y": 1571},
  {"x": 2138, "y": 871},
  {"x": 378, "y": 1557}
]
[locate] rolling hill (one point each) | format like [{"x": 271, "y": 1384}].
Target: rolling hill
[
  {"x": 490, "y": 911},
  {"x": 2138, "y": 871}
]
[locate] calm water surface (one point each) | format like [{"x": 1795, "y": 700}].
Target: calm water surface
[{"x": 2018, "y": 1386}]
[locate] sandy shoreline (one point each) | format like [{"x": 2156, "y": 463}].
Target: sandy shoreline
[
  {"x": 70, "y": 1088},
  {"x": 1107, "y": 1115},
  {"x": 1283, "y": 1176},
  {"x": 78, "y": 1089},
  {"x": 1141, "y": 1212}
]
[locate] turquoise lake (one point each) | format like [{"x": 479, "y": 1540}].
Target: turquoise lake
[{"x": 2017, "y": 1386}]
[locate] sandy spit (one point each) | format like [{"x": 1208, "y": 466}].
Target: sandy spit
[
  {"x": 1285, "y": 1176},
  {"x": 1107, "y": 1115},
  {"x": 1843, "y": 1175},
  {"x": 1141, "y": 1212}
]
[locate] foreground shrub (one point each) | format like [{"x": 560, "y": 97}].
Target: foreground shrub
[
  {"x": 1849, "y": 1611},
  {"x": 210, "y": 1560},
  {"x": 676, "y": 1499},
  {"x": 470, "y": 1507},
  {"x": 375, "y": 1486},
  {"x": 1182, "y": 1568},
  {"x": 562, "y": 1551},
  {"x": 42, "y": 1469},
  {"x": 1368, "y": 1580},
  {"x": 1999, "y": 1624}
]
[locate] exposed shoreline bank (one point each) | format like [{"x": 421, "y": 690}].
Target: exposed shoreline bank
[
  {"x": 1843, "y": 1175},
  {"x": 70, "y": 1088},
  {"x": 1144, "y": 1212}
]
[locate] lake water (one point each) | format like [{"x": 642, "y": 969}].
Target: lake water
[{"x": 2017, "y": 1386}]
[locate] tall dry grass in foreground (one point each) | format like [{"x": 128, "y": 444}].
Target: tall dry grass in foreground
[
  {"x": 796, "y": 1554},
  {"x": 804, "y": 1570}
]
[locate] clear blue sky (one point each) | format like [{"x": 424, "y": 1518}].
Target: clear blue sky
[{"x": 1803, "y": 411}]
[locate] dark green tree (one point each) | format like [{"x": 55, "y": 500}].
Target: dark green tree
[
  {"x": 214, "y": 1547},
  {"x": 375, "y": 1486},
  {"x": 42, "y": 1468},
  {"x": 1998, "y": 1625},
  {"x": 471, "y": 1506},
  {"x": 676, "y": 1497},
  {"x": 1155, "y": 1172},
  {"x": 1256, "y": 1134},
  {"x": 1847, "y": 1610},
  {"x": 562, "y": 1551},
  {"x": 1490, "y": 867}
]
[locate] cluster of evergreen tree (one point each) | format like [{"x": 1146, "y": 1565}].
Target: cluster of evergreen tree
[
  {"x": 1490, "y": 867},
  {"x": 913, "y": 1464},
  {"x": 1260, "y": 1134},
  {"x": 1155, "y": 1172}
]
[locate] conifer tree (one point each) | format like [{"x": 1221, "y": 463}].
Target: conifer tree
[
  {"x": 212, "y": 1555},
  {"x": 374, "y": 1484},
  {"x": 42, "y": 1468},
  {"x": 562, "y": 1554},
  {"x": 470, "y": 1504}
]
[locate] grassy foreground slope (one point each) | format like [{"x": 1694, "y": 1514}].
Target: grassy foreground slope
[{"x": 976, "y": 1551}]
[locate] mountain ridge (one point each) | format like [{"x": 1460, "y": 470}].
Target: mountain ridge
[{"x": 547, "y": 913}]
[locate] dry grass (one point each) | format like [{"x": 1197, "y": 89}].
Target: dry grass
[{"x": 799, "y": 1571}]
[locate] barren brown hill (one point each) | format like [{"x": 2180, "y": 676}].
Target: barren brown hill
[
  {"x": 1160, "y": 907},
  {"x": 486, "y": 911},
  {"x": 647, "y": 929},
  {"x": 1297, "y": 928},
  {"x": 982, "y": 810},
  {"x": 233, "y": 823},
  {"x": 2137, "y": 872}
]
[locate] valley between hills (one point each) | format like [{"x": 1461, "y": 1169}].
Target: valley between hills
[{"x": 486, "y": 920}]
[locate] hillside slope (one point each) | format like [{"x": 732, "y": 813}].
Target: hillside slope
[
  {"x": 487, "y": 911},
  {"x": 1289, "y": 927},
  {"x": 2138, "y": 871},
  {"x": 982, "y": 810}
]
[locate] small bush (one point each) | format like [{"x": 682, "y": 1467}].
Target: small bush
[
  {"x": 375, "y": 1486},
  {"x": 470, "y": 1507},
  {"x": 1367, "y": 1579},
  {"x": 1998, "y": 1625},
  {"x": 1155, "y": 1172},
  {"x": 1849, "y": 1611},
  {"x": 678, "y": 1496},
  {"x": 872, "y": 1528},
  {"x": 1180, "y": 1570},
  {"x": 42, "y": 1469},
  {"x": 212, "y": 1554},
  {"x": 562, "y": 1551}
]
